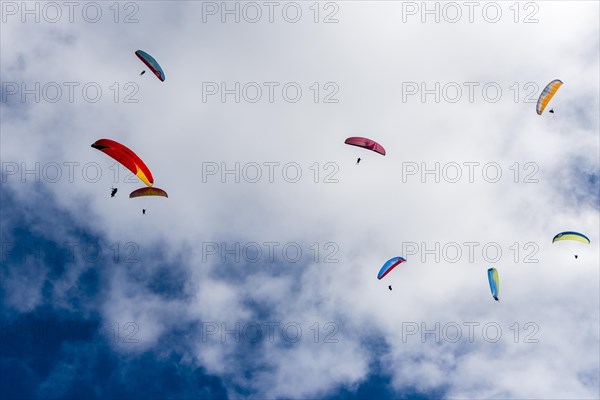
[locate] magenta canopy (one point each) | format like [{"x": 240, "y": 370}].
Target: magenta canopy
[{"x": 365, "y": 143}]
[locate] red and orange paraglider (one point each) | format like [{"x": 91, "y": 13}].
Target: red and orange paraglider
[{"x": 126, "y": 157}]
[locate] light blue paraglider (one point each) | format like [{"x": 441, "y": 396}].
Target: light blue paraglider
[
  {"x": 151, "y": 63},
  {"x": 389, "y": 266}
]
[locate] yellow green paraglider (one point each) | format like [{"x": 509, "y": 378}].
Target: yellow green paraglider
[{"x": 569, "y": 235}]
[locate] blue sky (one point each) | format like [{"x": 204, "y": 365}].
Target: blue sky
[{"x": 256, "y": 278}]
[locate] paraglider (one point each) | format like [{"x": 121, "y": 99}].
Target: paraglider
[
  {"x": 113, "y": 191},
  {"x": 494, "y": 283},
  {"x": 148, "y": 191},
  {"x": 569, "y": 235},
  {"x": 389, "y": 266},
  {"x": 366, "y": 143},
  {"x": 126, "y": 157},
  {"x": 547, "y": 94},
  {"x": 151, "y": 63}
]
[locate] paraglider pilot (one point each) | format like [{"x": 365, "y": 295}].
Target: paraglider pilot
[{"x": 113, "y": 191}]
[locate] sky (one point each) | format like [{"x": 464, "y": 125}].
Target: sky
[{"x": 257, "y": 277}]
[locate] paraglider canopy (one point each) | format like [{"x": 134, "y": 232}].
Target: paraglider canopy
[
  {"x": 547, "y": 94},
  {"x": 494, "y": 283},
  {"x": 569, "y": 235},
  {"x": 148, "y": 191},
  {"x": 365, "y": 143},
  {"x": 151, "y": 63},
  {"x": 127, "y": 157},
  {"x": 389, "y": 266}
]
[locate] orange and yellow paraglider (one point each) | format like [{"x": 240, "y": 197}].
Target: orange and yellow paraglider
[
  {"x": 547, "y": 94},
  {"x": 148, "y": 191}
]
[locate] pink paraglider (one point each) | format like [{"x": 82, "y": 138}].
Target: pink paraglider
[{"x": 366, "y": 143}]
